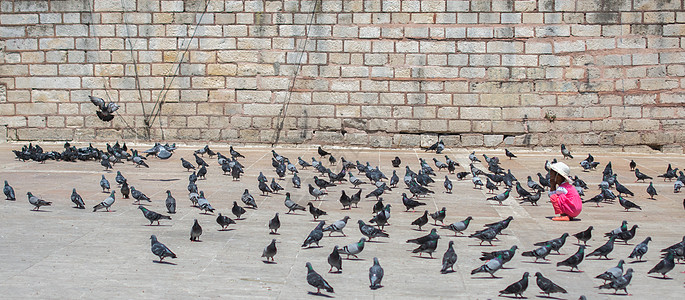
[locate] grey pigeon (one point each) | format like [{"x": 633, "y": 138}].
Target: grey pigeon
[
  {"x": 370, "y": 231},
  {"x": 315, "y": 280},
  {"x": 517, "y": 288},
  {"x": 160, "y": 249},
  {"x": 237, "y": 210},
  {"x": 538, "y": 253},
  {"x": 677, "y": 186},
  {"x": 106, "y": 204},
  {"x": 448, "y": 185},
  {"x": 337, "y": 226},
  {"x": 345, "y": 200},
  {"x": 315, "y": 212},
  {"x": 641, "y": 176},
  {"x": 439, "y": 216},
  {"x": 152, "y": 216},
  {"x": 422, "y": 220},
  {"x": 381, "y": 218},
  {"x": 353, "y": 249},
  {"x": 473, "y": 157},
  {"x": 37, "y": 202},
  {"x": 477, "y": 183},
  {"x": 460, "y": 226},
  {"x": 394, "y": 179},
  {"x": 428, "y": 247},
  {"x": 433, "y": 235},
  {"x": 627, "y": 235},
  {"x": 317, "y": 193},
  {"x": 574, "y": 260},
  {"x": 248, "y": 199},
  {"x": 76, "y": 198},
  {"x": 224, "y": 221},
  {"x": 296, "y": 181},
  {"x": 104, "y": 184},
  {"x": 449, "y": 258},
  {"x": 566, "y": 153},
  {"x": 501, "y": 197},
  {"x": 506, "y": 255},
  {"x": 620, "y": 283},
  {"x": 627, "y": 204},
  {"x": 314, "y": 236},
  {"x": 584, "y": 235},
  {"x": 274, "y": 224},
  {"x": 491, "y": 266},
  {"x": 9, "y": 192},
  {"x": 291, "y": 205},
  {"x": 270, "y": 250},
  {"x": 486, "y": 235},
  {"x": 356, "y": 198},
  {"x": 547, "y": 286},
  {"x": 612, "y": 273},
  {"x": 334, "y": 260},
  {"x": 665, "y": 265},
  {"x": 410, "y": 203},
  {"x": 119, "y": 178},
  {"x": 195, "y": 232},
  {"x": 555, "y": 243},
  {"x": 138, "y": 195},
  {"x": 605, "y": 249},
  {"x": 640, "y": 249},
  {"x": 651, "y": 191},
  {"x": 187, "y": 165},
  {"x": 170, "y": 202},
  {"x": 375, "y": 274}
]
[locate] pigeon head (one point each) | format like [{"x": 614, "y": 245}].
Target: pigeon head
[
  {"x": 308, "y": 264},
  {"x": 525, "y": 275},
  {"x": 344, "y": 219},
  {"x": 513, "y": 248},
  {"x": 538, "y": 274},
  {"x": 361, "y": 241},
  {"x": 375, "y": 261},
  {"x": 142, "y": 208},
  {"x": 451, "y": 244},
  {"x": 153, "y": 238}
]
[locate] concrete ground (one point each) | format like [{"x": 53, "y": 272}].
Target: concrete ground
[{"x": 62, "y": 252}]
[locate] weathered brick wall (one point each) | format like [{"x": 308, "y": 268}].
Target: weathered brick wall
[{"x": 374, "y": 72}]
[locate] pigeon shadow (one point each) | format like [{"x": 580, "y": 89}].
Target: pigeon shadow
[
  {"x": 33, "y": 210},
  {"x": 377, "y": 242},
  {"x": 226, "y": 229},
  {"x": 537, "y": 262},
  {"x": 355, "y": 259},
  {"x": 161, "y": 180},
  {"x": 424, "y": 257},
  {"x": 335, "y": 272},
  {"x": 274, "y": 233},
  {"x": 570, "y": 271},
  {"x": 547, "y": 297},
  {"x": 161, "y": 262},
  {"x": 313, "y": 247},
  {"x": 415, "y": 229},
  {"x": 449, "y": 271},
  {"x": 637, "y": 262},
  {"x": 156, "y": 225},
  {"x": 615, "y": 294},
  {"x": 320, "y": 295},
  {"x": 487, "y": 278},
  {"x": 662, "y": 278},
  {"x": 141, "y": 204},
  {"x": 268, "y": 262},
  {"x": 480, "y": 245},
  {"x": 512, "y": 297},
  {"x": 206, "y": 214}
]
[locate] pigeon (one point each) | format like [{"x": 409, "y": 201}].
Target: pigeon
[
  {"x": 473, "y": 157},
  {"x": 439, "y": 216},
  {"x": 620, "y": 283},
  {"x": 517, "y": 288},
  {"x": 651, "y": 191},
  {"x": 433, "y": 235},
  {"x": 105, "y": 111},
  {"x": 448, "y": 185},
  {"x": 317, "y": 193},
  {"x": 396, "y": 162},
  {"x": 160, "y": 249},
  {"x": 612, "y": 273},
  {"x": 394, "y": 179},
  {"x": 248, "y": 199},
  {"x": 566, "y": 153},
  {"x": 547, "y": 286},
  {"x": 314, "y": 236},
  {"x": 119, "y": 178},
  {"x": 138, "y": 195},
  {"x": 632, "y": 165},
  {"x": 623, "y": 227},
  {"x": 627, "y": 204},
  {"x": 627, "y": 235},
  {"x": 422, "y": 220},
  {"x": 410, "y": 203},
  {"x": 237, "y": 210},
  {"x": 556, "y": 243},
  {"x": 641, "y": 176},
  {"x": 104, "y": 184},
  {"x": 370, "y": 231},
  {"x": 322, "y": 152},
  {"x": 640, "y": 249},
  {"x": 274, "y": 224},
  {"x": 539, "y": 253},
  {"x": 125, "y": 190},
  {"x": 665, "y": 265},
  {"x": 501, "y": 197},
  {"x": 486, "y": 235},
  {"x": 315, "y": 212},
  {"x": 584, "y": 235},
  {"x": 152, "y": 216},
  {"x": 500, "y": 225},
  {"x": 506, "y": 255},
  {"x": 605, "y": 249},
  {"x": 345, "y": 201},
  {"x": 187, "y": 165},
  {"x": 78, "y": 201},
  {"x": 337, "y": 226},
  {"x": 677, "y": 186},
  {"x": 477, "y": 183},
  {"x": 270, "y": 250},
  {"x": 574, "y": 260},
  {"x": 375, "y": 274},
  {"x": 199, "y": 161},
  {"x": 334, "y": 260},
  {"x": 459, "y": 226},
  {"x": 224, "y": 221},
  {"x": 264, "y": 188},
  {"x": 234, "y": 154},
  {"x": 291, "y": 205},
  {"x": 449, "y": 259},
  {"x": 356, "y": 198},
  {"x": 490, "y": 186},
  {"x": 428, "y": 247},
  {"x": 297, "y": 182},
  {"x": 353, "y": 249},
  {"x": 106, "y": 204},
  {"x": 622, "y": 189},
  {"x": 195, "y": 232},
  {"x": 378, "y": 206},
  {"x": 509, "y": 154},
  {"x": 202, "y": 172},
  {"x": 315, "y": 280},
  {"x": 462, "y": 175},
  {"x": 37, "y": 202},
  {"x": 491, "y": 266},
  {"x": 9, "y": 192},
  {"x": 533, "y": 199},
  {"x": 170, "y": 203},
  {"x": 381, "y": 218}
]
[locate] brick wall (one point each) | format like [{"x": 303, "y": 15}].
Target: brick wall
[{"x": 374, "y": 72}]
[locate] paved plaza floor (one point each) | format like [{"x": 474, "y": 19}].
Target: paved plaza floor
[{"x": 63, "y": 252}]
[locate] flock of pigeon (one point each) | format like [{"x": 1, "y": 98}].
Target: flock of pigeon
[{"x": 418, "y": 184}]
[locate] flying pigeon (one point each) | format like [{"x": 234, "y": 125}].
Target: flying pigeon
[
  {"x": 315, "y": 280},
  {"x": 574, "y": 260},
  {"x": 291, "y": 205},
  {"x": 152, "y": 216},
  {"x": 449, "y": 259},
  {"x": 76, "y": 198},
  {"x": 274, "y": 224},
  {"x": 517, "y": 288},
  {"x": 612, "y": 273},
  {"x": 9, "y": 192},
  {"x": 160, "y": 249},
  {"x": 640, "y": 249},
  {"x": 314, "y": 236},
  {"x": 270, "y": 250},
  {"x": 337, "y": 226},
  {"x": 37, "y": 202},
  {"x": 195, "y": 232},
  {"x": 106, "y": 204},
  {"x": 224, "y": 221},
  {"x": 105, "y": 111},
  {"x": 547, "y": 286}
]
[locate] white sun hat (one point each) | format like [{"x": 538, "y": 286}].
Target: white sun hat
[{"x": 562, "y": 169}]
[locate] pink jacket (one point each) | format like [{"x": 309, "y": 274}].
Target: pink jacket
[{"x": 569, "y": 203}]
